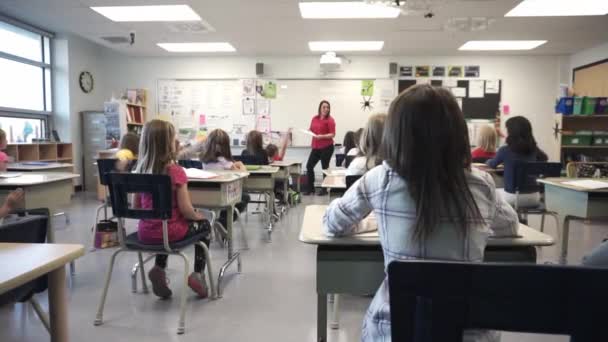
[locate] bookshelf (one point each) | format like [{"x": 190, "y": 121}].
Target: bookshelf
[
  {"x": 588, "y": 148},
  {"x": 47, "y": 152},
  {"x": 136, "y": 109}
]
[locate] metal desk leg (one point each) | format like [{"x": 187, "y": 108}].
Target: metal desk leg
[
  {"x": 563, "y": 259},
  {"x": 321, "y": 317},
  {"x": 335, "y": 313},
  {"x": 232, "y": 256},
  {"x": 58, "y": 306}
]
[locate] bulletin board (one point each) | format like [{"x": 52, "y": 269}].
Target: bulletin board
[{"x": 472, "y": 107}]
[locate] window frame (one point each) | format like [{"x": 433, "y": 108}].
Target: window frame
[{"x": 29, "y": 113}]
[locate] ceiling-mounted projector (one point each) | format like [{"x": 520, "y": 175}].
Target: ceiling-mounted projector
[{"x": 330, "y": 61}]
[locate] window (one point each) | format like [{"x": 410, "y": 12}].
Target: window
[
  {"x": 20, "y": 130},
  {"x": 25, "y": 69}
]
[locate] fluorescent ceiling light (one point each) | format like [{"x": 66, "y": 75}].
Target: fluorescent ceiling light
[
  {"x": 496, "y": 45},
  {"x": 346, "y": 46},
  {"x": 197, "y": 47},
  {"x": 557, "y": 8},
  {"x": 346, "y": 10},
  {"x": 148, "y": 13}
]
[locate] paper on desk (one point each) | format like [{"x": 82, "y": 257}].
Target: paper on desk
[
  {"x": 588, "y": 184},
  {"x": 308, "y": 132},
  {"x": 338, "y": 172},
  {"x": 10, "y": 175},
  {"x": 200, "y": 174}
]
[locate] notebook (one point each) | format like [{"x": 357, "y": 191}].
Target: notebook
[{"x": 200, "y": 174}]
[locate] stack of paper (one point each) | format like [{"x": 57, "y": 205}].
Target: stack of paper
[
  {"x": 588, "y": 184},
  {"x": 200, "y": 174}
]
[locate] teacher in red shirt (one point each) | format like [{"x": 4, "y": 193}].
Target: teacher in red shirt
[{"x": 324, "y": 128}]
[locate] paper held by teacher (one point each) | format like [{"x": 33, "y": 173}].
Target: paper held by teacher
[{"x": 308, "y": 132}]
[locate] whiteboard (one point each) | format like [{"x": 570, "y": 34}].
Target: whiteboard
[{"x": 220, "y": 102}]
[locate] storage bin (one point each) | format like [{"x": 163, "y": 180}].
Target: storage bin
[
  {"x": 601, "y": 105},
  {"x": 581, "y": 138},
  {"x": 577, "y": 105},
  {"x": 564, "y": 105},
  {"x": 600, "y": 138},
  {"x": 588, "y": 105}
]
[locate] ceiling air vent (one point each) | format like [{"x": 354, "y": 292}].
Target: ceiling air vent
[
  {"x": 116, "y": 39},
  {"x": 190, "y": 27}
]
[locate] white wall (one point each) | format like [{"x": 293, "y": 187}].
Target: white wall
[
  {"x": 589, "y": 56},
  {"x": 530, "y": 83},
  {"x": 72, "y": 56}
]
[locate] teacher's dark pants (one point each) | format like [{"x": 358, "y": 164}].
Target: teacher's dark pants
[{"x": 324, "y": 155}]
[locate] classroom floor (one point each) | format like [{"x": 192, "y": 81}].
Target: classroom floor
[{"x": 273, "y": 299}]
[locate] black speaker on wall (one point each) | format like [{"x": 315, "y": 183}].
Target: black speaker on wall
[
  {"x": 259, "y": 69},
  {"x": 393, "y": 69}
]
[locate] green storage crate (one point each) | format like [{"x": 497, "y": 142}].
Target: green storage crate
[
  {"x": 588, "y": 105},
  {"x": 580, "y": 138},
  {"x": 577, "y": 108},
  {"x": 600, "y": 138}
]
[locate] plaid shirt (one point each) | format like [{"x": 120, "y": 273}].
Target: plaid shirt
[{"x": 385, "y": 193}]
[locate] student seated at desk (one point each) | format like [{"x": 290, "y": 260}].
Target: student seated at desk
[
  {"x": 129, "y": 147},
  {"x": 428, "y": 202},
  {"x": 486, "y": 142},
  {"x": 278, "y": 153},
  {"x": 357, "y": 138},
  {"x": 369, "y": 151},
  {"x": 12, "y": 202},
  {"x": 217, "y": 156},
  {"x": 3, "y": 156},
  {"x": 255, "y": 148},
  {"x": 521, "y": 146},
  {"x": 157, "y": 150}
]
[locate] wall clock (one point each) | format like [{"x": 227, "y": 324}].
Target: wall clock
[{"x": 86, "y": 81}]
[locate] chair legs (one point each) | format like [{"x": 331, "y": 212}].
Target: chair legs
[
  {"x": 142, "y": 271},
  {"x": 134, "y": 271},
  {"x": 181, "y": 324},
  {"x": 542, "y": 222},
  {"x": 44, "y": 318},
  {"x": 102, "y": 301},
  {"x": 209, "y": 270}
]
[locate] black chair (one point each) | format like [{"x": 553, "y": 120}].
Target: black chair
[
  {"x": 29, "y": 226},
  {"x": 250, "y": 160},
  {"x": 159, "y": 188},
  {"x": 348, "y": 160},
  {"x": 432, "y": 301},
  {"x": 350, "y": 180},
  {"x": 481, "y": 160},
  {"x": 526, "y": 175},
  {"x": 190, "y": 164},
  {"x": 340, "y": 159}
]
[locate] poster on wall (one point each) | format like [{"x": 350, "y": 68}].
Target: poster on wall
[
  {"x": 438, "y": 71},
  {"x": 455, "y": 71},
  {"x": 267, "y": 89},
  {"x": 367, "y": 88},
  {"x": 262, "y": 124},
  {"x": 248, "y": 87},
  {"x": 423, "y": 71},
  {"x": 471, "y": 71},
  {"x": 262, "y": 106},
  {"x": 406, "y": 71},
  {"x": 248, "y": 106}
]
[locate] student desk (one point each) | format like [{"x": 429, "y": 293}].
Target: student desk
[
  {"x": 51, "y": 190},
  {"x": 42, "y": 167},
  {"x": 333, "y": 181},
  {"x": 289, "y": 169},
  {"x": 221, "y": 192},
  {"x": 355, "y": 264},
  {"x": 573, "y": 203},
  {"x": 36, "y": 260},
  {"x": 262, "y": 180},
  {"x": 337, "y": 171}
]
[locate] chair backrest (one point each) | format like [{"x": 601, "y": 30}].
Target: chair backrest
[
  {"x": 527, "y": 173},
  {"x": 434, "y": 301},
  {"x": 340, "y": 159},
  {"x": 25, "y": 229},
  {"x": 158, "y": 187},
  {"x": 350, "y": 180},
  {"x": 104, "y": 168},
  {"x": 480, "y": 159},
  {"x": 348, "y": 160},
  {"x": 188, "y": 163},
  {"x": 249, "y": 160}
]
